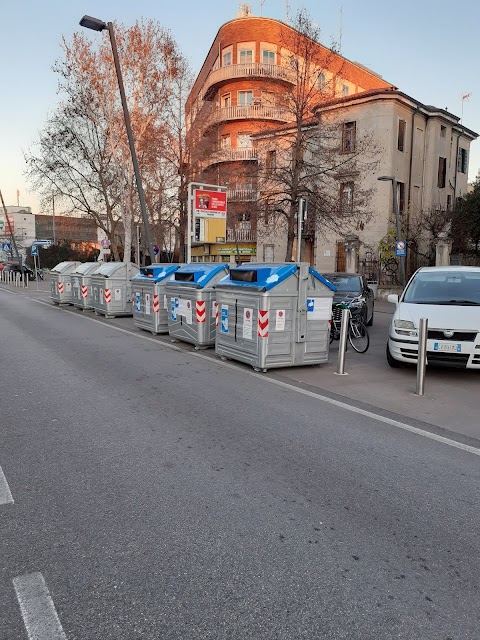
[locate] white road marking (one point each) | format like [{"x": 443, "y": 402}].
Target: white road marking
[
  {"x": 318, "y": 396},
  {"x": 38, "y": 611},
  {"x": 5, "y": 495},
  {"x": 14, "y": 293}
]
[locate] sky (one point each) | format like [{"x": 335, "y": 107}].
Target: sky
[{"x": 426, "y": 48}]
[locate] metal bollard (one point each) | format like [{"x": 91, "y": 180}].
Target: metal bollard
[
  {"x": 422, "y": 356},
  {"x": 342, "y": 346}
]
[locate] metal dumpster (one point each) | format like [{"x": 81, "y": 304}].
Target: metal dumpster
[
  {"x": 61, "y": 283},
  {"x": 82, "y": 292},
  {"x": 112, "y": 289},
  {"x": 193, "y": 309},
  {"x": 150, "y": 304},
  {"x": 274, "y": 315}
]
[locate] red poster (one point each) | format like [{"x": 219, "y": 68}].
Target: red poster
[{"x": 210, "y": 204}]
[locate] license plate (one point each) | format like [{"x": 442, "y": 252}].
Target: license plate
[{"x": 447, "y": 346}]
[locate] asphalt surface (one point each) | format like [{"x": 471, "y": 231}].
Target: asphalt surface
[{"x": 160, "y": 495}]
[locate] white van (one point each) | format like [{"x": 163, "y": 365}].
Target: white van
[{"x": 450, "y": 298}]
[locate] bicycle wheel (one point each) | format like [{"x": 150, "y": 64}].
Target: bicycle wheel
[{"x": 358, "y": 336}]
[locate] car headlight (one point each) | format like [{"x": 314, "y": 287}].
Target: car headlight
[{"x": 403, "y": 324}]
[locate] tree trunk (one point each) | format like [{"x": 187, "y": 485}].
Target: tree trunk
[{"x": 290, "y": 234}]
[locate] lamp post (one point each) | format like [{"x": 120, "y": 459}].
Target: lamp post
[
  {"x": 98, "y": 25},
  {"x": 396, "y": 213}
]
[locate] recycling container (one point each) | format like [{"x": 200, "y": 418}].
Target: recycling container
[
  {"x": 150, "y": 303},
  {"x": 112, "y": 289},
  {"x": 274, "y": 315},
  {"x": 61, "y": 282},
  {"x": 193, "y": 313},
  {"x": 82, "y": 291}
]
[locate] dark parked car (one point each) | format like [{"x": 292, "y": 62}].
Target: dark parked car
[
  {"x": 353, "y": 288},
  {"x": 15, "y": 268}
]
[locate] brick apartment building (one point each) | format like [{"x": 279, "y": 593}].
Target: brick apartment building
[
  {"x": 240, "y": 92},
  {"x": 237, "y": 110},
  {"x": 81, "y": 231}
]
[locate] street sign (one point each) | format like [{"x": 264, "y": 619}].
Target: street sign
[
  {"x": 34, "y": 250},
  {"x": 105, "y": 244},
  {"x": 400, "y": 248},
  {"x": 42, "y": 243},
  {"x": 6, "y": 246}
]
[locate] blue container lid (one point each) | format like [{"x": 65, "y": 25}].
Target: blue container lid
[
  {"x": 155, "y": 272},
  {"x": 264, "y": 276},
  {"x": 197, "y": 275}
]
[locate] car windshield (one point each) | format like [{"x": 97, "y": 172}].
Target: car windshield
[
  {"x": 345, "y": 282},
  {"x": 444, "y": 287}
]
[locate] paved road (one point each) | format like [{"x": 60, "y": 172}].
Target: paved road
[{"x": 161, "y": 495}]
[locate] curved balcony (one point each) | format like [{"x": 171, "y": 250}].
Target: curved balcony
[
  {"x": 248, "y": 112},
  {"x": 242, "y": 233},
  {"x": 250, "y": 70},
  {"x": 231, "y": 155}
]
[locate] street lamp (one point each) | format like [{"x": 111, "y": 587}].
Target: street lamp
[
  {"x": 98, "y": 25},
  {"x": 393, "y": 180}
]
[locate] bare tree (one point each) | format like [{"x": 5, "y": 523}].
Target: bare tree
[
  {"x": 313, "y": 157},
  {"x": 83, "y": 153}
]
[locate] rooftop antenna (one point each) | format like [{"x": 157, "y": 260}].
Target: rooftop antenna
[
  {"x": 287, "y": 10},
  {"x": 340, "y": 35},
  {"x": 261, "y": 7}
]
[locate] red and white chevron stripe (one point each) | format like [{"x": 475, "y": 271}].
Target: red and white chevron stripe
[
  {"x": 84, "y": 291},
  {"x": 263, "y": 323},
  {"x": 60, "y": 287},
  {"x": 201, "y": 311},
  {"x": 108, "y": 295},
  {"x": 216, "y": 313},
  {"x": 156, "y": 303}
]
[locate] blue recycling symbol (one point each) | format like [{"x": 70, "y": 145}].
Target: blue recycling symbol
[{"x": 310, "y": 304}]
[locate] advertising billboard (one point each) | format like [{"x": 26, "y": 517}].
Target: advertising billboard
[{"x": 210, "y": 204}]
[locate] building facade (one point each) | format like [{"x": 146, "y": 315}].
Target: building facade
[
  {"x": 241, "y": 91},
  {"x": 424, "y": 148},
  {"x": 19, "y": 221}
]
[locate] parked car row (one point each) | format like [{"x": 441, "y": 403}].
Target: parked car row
[{"x": 16, "y": 268}]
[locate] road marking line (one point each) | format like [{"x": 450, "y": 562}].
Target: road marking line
[
  {"x": 38, "y": 611},
  {"x": 5, "y": 494},
  {"x": 14, "y": 293},
  {"x": 318, "y": 396}
]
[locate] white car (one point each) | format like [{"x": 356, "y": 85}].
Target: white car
[{"x": 449, "y": 297}]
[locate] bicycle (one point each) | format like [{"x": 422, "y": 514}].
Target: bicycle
[{"x": 357, "y": 331}]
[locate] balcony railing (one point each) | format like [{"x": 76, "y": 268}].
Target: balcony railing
[
  {"x": 249, "y": 70},
  {"x": 231, "y": 155},
  {"x": 241, "y": 234},
  {"x": 249, "y": 112},
  {"x": 242, "y": 195}
]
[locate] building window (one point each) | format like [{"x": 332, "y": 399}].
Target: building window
[
  {"x": 443, "y": 131},
  {"x": 268, "y": 57},
  {"x": 271, "y": 161},
  {"x": 226, "y": 100},
  {"x": 349, "y": 134},
  {"x": 226, "y": 142},
  {"x": 346, "y": 197},
  {"x": 401, "y": 196},
  {"x": 449, "y": 202},
  {"x": 442, "y": 172},
  {"x": 245, "y": 56},
  {"x": 402, "y": 127},
  {"x": 321, "y": 82},
  {"x": 462, "y": 161},
  {"x": 245, "y": 97},
  {"x": 345, "y": 90},
  {"x": 244, "y": 141},
  {"x": 227, "y": 59}
]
